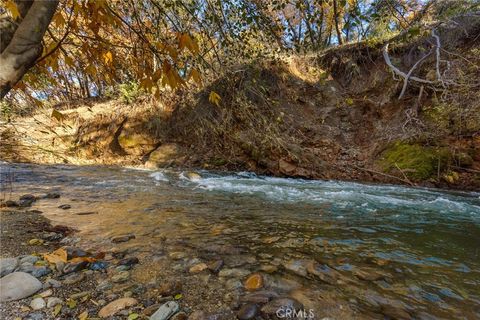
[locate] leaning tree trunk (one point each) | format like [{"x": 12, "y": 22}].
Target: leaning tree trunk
[{"x": 20, "y": 50}]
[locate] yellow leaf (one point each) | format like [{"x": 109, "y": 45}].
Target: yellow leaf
[
  {"x": 214, "y": 98},
  {"x": 83, "y": 315},
  {"x": 69, "y": 61},
  {"x": 59, "y": 255},
  {"x": 58, "y": 19},
  {"x": 57, "y": 310},
  {"x": 195, "y": 75},
  {"x": 57, "y": 115},
  {"x": 81, "y": 259},
  {"x": 12, "y": 7},
  {"x": 108, "y": 58}
]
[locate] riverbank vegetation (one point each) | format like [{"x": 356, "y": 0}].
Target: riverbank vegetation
[{"x": 353, "y": 90}]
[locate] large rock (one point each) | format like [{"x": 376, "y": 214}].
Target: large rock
[
  {"x": 163, "y": 156},
  {"x": 18, "y": 285},
  {"x": 115, "y": 306},
  {"x": 165, "y": 311},
  {"x": 137, "y": 143},
  {"x": 7, "y": 265}
]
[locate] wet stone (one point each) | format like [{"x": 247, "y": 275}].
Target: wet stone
[
  {"x": 170, "y": 288},
  {"x": 298, "y": 267},
  {"x": 368, "y": 274},
  {"x": 51, "y": 195},
  {"x": 123, "y": 238},
  {"x": 260, "y": 297},
  {"x": 247, "y": 311},
  {"x": 74, "y": 252},
  {"x": 198, "y": 268},
  {"x": 215, "y": 266},
  {"x": 323, "y": 272},
  {"x": 273, "y": 306},
  {"x": 65, "y": 206},
  {"x": 254, "y": 282},
  {"x": 233, "y": 273}
]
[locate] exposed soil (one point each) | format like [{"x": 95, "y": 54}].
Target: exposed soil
[{"x": 335, "y": 115}]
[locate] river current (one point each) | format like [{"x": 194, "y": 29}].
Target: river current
[{"x": 375, "y": 247}]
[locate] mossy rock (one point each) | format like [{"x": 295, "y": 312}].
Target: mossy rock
[{"x": 417, "y": 162}]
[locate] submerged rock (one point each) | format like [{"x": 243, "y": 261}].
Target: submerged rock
[
  {"x": 254, "y": 282},
  {"x": 123, "y": 238},
  {"x": 18, "y": 285},
  {"x": 198, "y": 268},
  {"x": 122, "y": 276},
  {"x": 65, "y": 206},
  {"x": 247, "y": 311},
  {"x": 116, "y": 306},
  {"x": 275, "y": 305},
  {"x": 7, "y": 265}
]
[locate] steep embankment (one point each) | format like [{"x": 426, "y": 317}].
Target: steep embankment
[{"x": 337, "y": 115}]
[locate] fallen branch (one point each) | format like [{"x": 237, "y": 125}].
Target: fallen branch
[{"x": 385, "y": 174}]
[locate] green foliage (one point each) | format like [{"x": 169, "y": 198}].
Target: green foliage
[
  {"x": 415, "y": 161},
  {"x": 6, "y": 111},
  {"x": 129, "y": 92}
]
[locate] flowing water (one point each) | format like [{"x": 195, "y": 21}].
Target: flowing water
[{"x": 391, "y": 251}]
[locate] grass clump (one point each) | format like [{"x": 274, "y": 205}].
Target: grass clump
[{"x": 417, "y": 162}]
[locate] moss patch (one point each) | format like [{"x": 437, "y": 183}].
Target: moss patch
[{"x": 415, "y": 161}]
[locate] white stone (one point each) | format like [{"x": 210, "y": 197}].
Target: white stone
[
  {"x": 18, "y": 285},
  {"x": 37, "y": 304}
]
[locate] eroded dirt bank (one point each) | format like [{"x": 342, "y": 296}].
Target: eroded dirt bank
[{"x": 336, "y": 115}]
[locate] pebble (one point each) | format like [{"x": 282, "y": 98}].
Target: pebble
[
  {"x": 215, "y": 266},
  {"x": 7, "y": 265},
  {"x": 74, "y": 278},
  {"x": 165, "y": 311},
  {"x": 268, "y": 268},
  {"x": 198, "y": 315},
  {"x": 368, "y": 274},
  {"x": 64, "y": 206},
  {"x": 234, "y": 273},
  {"x": 128, "y": 261},
  {"x": 52, "y": 195},
  {"x": 179, "y": 316},
  {"x": 116, "y": 306},
  {"x": 39, "y": 272},
  {"x": 18, "y": 285},
  {"x": 177, "y": 255},
  {"x": 281, "y": 303},
  {"x": 123, "y": 238},
  {"x": 52, "y": 283},
  {"x": 170, "y": 288},
  {"x": 323, "y": 272},
  {"x": 79, "y": 295},
  {"x": 34, "y": 316},
  {"x": 122, "y": 276},
  {"x": 148, "y": 311},
  {"x": 74, "y": 252},
  {"x": 298, "y": 267},
  {"x": 254, "y": 282},
  {"x": 104, "y": 286},
  {"x": 11, "y": 204},
  {"x": 53, "y": 301},
  {"x": 198, "y": 268},
  {"x": 28, "y": 260},
  {"x": 260, "y": 297},
  {"x": 38, "y": 303},
  {"x": 247, "y": 311},
  {"x": 74, "y": 267},
  {"x": 46, "y": 293}
]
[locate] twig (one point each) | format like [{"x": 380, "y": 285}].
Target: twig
[{"x": 384, "y": 174}]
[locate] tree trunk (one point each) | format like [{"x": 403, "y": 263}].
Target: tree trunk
[
  {"x": 335, "y": 16},
  {"x": 25, "y": 46}
]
